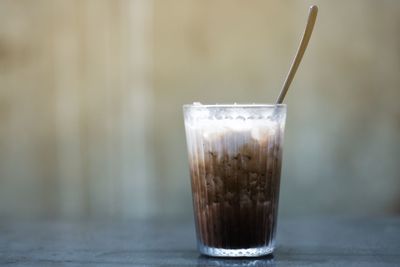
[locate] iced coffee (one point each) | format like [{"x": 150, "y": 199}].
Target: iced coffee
[{"x": 235, "y": 158}]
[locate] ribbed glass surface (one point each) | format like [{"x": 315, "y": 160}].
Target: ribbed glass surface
[{"x": 235, "y": 157}]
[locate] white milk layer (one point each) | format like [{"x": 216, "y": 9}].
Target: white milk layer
[
  {"x": 230, "y": 127},
  {"x": 211, "y": 129}
]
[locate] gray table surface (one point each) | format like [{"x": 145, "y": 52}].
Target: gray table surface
[{"x": 306, "y": 242}]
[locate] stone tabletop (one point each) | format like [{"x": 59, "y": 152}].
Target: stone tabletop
[{"x": 305, "y": 242}]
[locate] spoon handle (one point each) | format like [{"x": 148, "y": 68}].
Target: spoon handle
[{"x": 312, "y": 16}]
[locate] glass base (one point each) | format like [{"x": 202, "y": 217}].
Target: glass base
[{"x": 246, "y": 252}]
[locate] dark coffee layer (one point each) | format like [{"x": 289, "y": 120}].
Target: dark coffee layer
[{"x": 235, "y": 183}]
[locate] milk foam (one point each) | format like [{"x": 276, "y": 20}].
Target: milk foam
[{"x": 259, "y": 129}]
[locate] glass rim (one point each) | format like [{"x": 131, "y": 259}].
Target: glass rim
[{"x": 235, "y": 105}]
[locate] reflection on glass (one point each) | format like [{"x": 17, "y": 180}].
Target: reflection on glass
[{"x": 267, "y": 261}]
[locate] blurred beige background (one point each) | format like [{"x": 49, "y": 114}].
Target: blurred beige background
[{"x": 91, "y": 93}]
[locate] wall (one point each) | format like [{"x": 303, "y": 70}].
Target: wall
[{"x": 91, "y": 93}]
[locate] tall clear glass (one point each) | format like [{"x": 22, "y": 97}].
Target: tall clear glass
[{"x": 235, "y": 158}]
